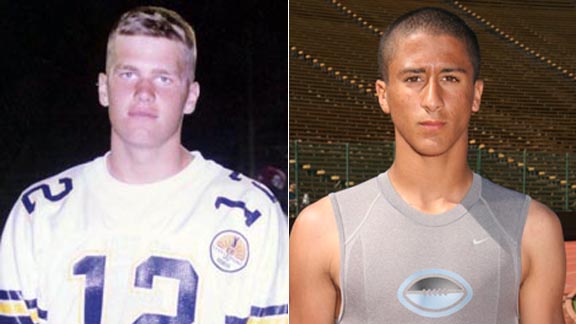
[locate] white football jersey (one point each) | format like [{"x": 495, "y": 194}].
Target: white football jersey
[{"x": 207, "y": 245}]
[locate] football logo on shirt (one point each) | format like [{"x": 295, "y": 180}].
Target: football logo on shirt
[
  {"x": 229, "y": 251},
  {"x": 435, "y": 293}
]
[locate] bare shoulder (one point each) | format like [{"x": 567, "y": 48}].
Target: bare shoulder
[
  {"x": 543, "y": 267},
  {"x": 316, "y": 227},
  {"x": 314, "y": 265},
  {"x": 541, "y": 223},
  {"x": 319, "y": 213},
  {"x": 542, "y": 240}
]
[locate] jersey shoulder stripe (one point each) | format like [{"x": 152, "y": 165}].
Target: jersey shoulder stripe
[
  {"x": 277, "y": 314},
  {"x": 234, "y": 190},
  {"x": 15, "y": 309}
]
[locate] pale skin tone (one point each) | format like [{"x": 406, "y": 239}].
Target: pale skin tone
[
  {"x": 147, "y": 90},
  {"x": 430, "y": 95}
]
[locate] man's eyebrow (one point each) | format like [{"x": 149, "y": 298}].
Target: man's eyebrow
[
  {"x": 422, "y": 70},
  {"x": 163, "y": 71},
  {"x": 450, "y": 70},
  {"x": 412, "y": 71},
  {"x": 156, "y": 71},
  {"x": 125, "y": 67}
]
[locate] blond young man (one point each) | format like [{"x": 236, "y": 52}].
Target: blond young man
[
  {"x": 149, "y": 232},
  {"x": 428, "y": 241}
]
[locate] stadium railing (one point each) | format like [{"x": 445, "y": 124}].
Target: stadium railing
[{"x": 317, "y": 169}]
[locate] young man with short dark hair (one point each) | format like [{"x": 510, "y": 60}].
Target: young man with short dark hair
[{"x": 428, "y": 241}]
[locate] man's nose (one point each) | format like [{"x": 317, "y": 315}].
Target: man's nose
[
  {"x": 145, "y": 90},
  {"x": 431, "y": 99}
]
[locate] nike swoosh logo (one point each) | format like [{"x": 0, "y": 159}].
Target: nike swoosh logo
[{"x": 476, "y": 242}]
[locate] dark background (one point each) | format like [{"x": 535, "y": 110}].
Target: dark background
[{"x": 52, "y": 52}]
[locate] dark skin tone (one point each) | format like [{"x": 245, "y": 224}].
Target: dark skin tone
[{"x": 431, "y": 94}]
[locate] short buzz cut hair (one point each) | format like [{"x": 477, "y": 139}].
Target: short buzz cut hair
[
  {"x": 156, "y": 22},
  {"x": 429, "y": 20}
]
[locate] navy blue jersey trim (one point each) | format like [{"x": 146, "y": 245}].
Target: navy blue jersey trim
[
  {"x": 268, "y": 311},
  {"x": 15, "y": 320},
  {"x": 265, "y": 190},
  {"x": 258, "y": 312},
  {"x": 10, "y": 295},
  {"x": 42, "y": 314}
]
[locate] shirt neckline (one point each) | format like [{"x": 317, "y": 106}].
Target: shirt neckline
[
  {"x": 117, "y": 185},
  {"x": 447, "y": 217}
]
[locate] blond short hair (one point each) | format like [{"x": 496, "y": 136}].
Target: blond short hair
[{"x": 156, "y": 22}]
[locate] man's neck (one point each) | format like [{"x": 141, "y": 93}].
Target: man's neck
[
  {"x": 431, "y": 184},
  {"x": 144, "y": 165}
]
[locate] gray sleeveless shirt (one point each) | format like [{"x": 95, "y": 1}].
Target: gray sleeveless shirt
[{"x": 399, "y": 265}]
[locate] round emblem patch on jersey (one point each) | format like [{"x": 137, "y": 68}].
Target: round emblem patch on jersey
[
  {"x": 435, "y": 293},
  {"x": 229, "y": 251}
]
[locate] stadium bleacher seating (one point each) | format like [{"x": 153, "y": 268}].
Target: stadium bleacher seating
[{"x": 528, "y": 104}]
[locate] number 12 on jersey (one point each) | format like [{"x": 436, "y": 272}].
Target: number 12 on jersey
[{"x": 93, "y": 267}]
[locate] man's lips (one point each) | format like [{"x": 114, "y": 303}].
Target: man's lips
[
  {"x": 432, "y": 124},
  {"x": 142, "y": 113}
]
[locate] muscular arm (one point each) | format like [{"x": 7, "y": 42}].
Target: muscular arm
[
  {"x": 543, "y": 267},
  {"x": 314, "y": 266}
]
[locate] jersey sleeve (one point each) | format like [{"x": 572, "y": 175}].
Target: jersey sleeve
[
  {"x": 18, "y": 270},
  {"x": 268, "y": 286}
]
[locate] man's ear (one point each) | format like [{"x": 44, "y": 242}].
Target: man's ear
[
  {"x": 478, "y": 88},
  {"x": 103, "y": 89},
  {"x": 381, "y": 92},
  {"x": 193, "y": 94}
]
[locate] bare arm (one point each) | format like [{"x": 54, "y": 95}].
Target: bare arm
[
  {"x": 543, "y": 267},
  {"x": 314, "y": 266}
]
